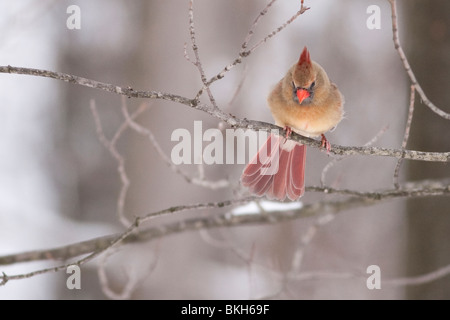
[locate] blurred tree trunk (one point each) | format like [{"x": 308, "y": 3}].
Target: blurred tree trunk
[
  {"x": 427, "y": 45},
  {"x": 88, "y": 185}
]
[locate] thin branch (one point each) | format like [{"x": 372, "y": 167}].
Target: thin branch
[
  {"x": 279, "y": 29},
  {"x": 417, "y": 280},
  {"x": 197, "y": 61},
  {"x": 226, "y": 244},
  {"x": 306, "y": 240},
  {"x": 126, "y": 291},
  {"x": 406, "y": 134},
  {"x": 251, "y": 31},
  {"x": 326, "y": 275},
  {"x": 407, "y": 66},
  {"x": 133, "y": 280},
  {"x": 426, "y": 189},
  {"x": 199, "y": 181},
  {"x": 330, "y": 164},
  {"x": 245, "y": 53},
  {"x": 239, "y": 87},
  {"x": 111, "y": 147},
  {"x": 395, "y": 282}
]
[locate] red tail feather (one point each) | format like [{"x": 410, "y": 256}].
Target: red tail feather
[{"x": 277, "y": 170}]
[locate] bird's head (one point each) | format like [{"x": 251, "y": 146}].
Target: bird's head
[{"x": 304, "y": 79}]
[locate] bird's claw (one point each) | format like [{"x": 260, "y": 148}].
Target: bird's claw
[
  {"x": 288, "y": 131},
  {"x": 325, "y": 144}
]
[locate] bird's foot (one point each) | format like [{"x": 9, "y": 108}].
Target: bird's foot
[
  {"x": 288, "y": 131},
  {"x": 325, "y": 144}
]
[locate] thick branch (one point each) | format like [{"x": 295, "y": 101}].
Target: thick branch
[
  {"x": 358, "y": 199},
  {"x": 127, "y": 91},
  {"x": 61, "y": 253},
  {"x": 348, "y": 151},
  {"x": 230, "y": 119},
  {"x": 223, "y": 220}
]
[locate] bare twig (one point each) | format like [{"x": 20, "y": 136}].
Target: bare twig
[
  {"x": 394, "y": 282},
  {"x": 406, "y": 134},
  {"x": 417, "y": 280},
  {"x": 277, "y": 30},
  {"x": 251, "y": 31},
  {"x": 245, "y": 53},
  {"x": 226, "y": 244},
  {"x": 306, "y": 240},
  {"x": 133, "y": 279},
  {"x": 361, "y": 276},
  {"x": 327, "y": 275},
  {"x": 407, "y": 66},
  {"x": 424, "y": 189},
  {"x": 239, "y": 87},
  {"x": 330, "y": 164},
  {"x": 197, "y": 61},
  {"x": 111, "y": 147},
  {"x": 199, "y": 181}
]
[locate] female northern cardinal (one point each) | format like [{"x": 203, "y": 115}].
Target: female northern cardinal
[{"x": 306, "y": 102}]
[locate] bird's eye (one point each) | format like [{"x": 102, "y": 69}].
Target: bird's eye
[{"x": 313, "y": 84}]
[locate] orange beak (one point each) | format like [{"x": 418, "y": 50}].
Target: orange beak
[{"x": 302, "y": 94}]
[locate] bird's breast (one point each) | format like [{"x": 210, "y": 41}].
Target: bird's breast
[{"x": 309, "y": 121}]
